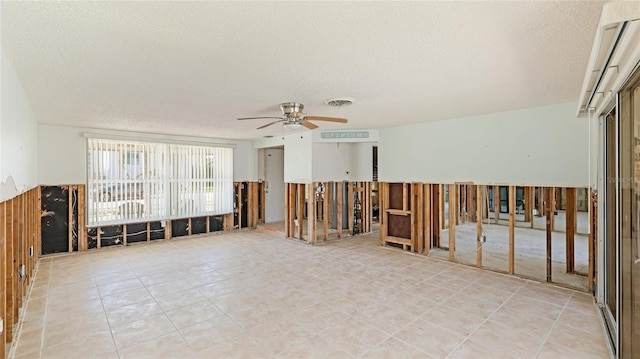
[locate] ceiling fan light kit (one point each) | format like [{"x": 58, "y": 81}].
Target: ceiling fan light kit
[{"x": 293, "y": 117}]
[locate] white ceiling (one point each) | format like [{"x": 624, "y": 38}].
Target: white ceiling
[{"x": 191, "y": 68}]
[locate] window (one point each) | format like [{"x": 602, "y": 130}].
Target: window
[{"x": 129, "y": 181}]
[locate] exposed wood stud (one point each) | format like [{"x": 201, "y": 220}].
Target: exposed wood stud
[
  {"x": 479, "y": 191},
  {"x": 98, "y": 235},
  {"x": 351, "y": 205},
  {"x": 452, "y": 221},
  {"x": 149, "y": 231},
  {"x": 428, "y": 223},
  {"x": 383, "y": 190},
  {"x": 311, "y": 213},
  {"x": 512, "y": 223},
  {"x": 441, "y": 190},
  {"x": 301, "y": 204},
  {"x": 167, "y": 230},
  {"x": 82, "y": 229},
  {"x": 207, "y": 224},
  {"x": 527, "y": 204},
  {"x": 339, "y": 207},
  {"x": 189, "y": 230},
  {"x": 70, "y": 217},
  {"x": 124, "y": 234},
  {"x": 418, "y": 217},
  {"x": 549, "y": 229},
  {"x": 436, "y": 215},
  {"x": 325, "y": 211}
]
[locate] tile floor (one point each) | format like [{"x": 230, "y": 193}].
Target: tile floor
[{"x": 254, "y": 294}]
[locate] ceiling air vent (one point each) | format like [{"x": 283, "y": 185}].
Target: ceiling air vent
[{"x": 339, "y": 101}]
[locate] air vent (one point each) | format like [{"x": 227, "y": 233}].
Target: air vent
[{"x": 339, "y": 101}]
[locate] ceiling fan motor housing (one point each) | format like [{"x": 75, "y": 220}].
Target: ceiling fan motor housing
[{"x": 291, "y": 107}]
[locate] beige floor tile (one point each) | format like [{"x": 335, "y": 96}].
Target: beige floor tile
[
  {"x": 207, "y": 334},
  {"x": 133, "y": 312},
  {"x": 393, "y": 348},
  {"x": 142, "y": 330},
  {"x": 193, "y": 314},
  {"x": 166, "y": 346},
  {"x": 216, "y": 296}
]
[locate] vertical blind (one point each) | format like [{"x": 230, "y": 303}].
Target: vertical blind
[{"x": 129, "y": 181}]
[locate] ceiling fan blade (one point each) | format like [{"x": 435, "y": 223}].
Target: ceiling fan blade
[
  {"x": 269, "y": 124},
  {"x": 320, "y": 118},
  {"x": 308, "y": 124},
  {"x": 255, "y": 118}
]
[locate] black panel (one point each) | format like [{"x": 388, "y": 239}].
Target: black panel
[
  {"x": 198, "y": 225},
  {"x": 136, "y": 232},
  {"x": 54, "y": 219},
  {"x": 156, "y": 230},
  {"x": 111, "y": 236},
  {"x": 92, "y": 238},
  {"x": 215, "y": 224},
  {"x": 244, "y": 197},
  {"x": 179, "y": 227}
]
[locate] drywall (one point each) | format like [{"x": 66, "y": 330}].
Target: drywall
[
  {"x": 297, "y": 158},
  {"x": 18, "y": 136},
  {"x": 537, "y": 146},
  {"x": 62, "y": 154},
  {"x": 332, "y": 162}
]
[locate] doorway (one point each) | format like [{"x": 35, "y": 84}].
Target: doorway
[{"x": 273, "y": 166}]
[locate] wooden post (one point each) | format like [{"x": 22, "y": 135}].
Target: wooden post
[
  {"x": 383, "y": 192},
  {"x": 70, "y": 217},
  {"x": 124, "y": 234},
  {"x": 311, "y": 213},
  {"x": 549, "y": 211},
  {"x": 452, "y": 221},
  {"x": 456, "y": 203},
  {"x": 149, "y": 229},
  {"x": 512, "y": 223},
  {"x": 98, "y": 239},
  {"x": 479, "y": 226},
  {"x": 82, "y": 231},
  {"x": 496, "y": 204},
  {"x": 207, "y": 224},
  {"x": 428, "y": 228},
  {"x": 417, "y": 217},
  {"x": 168, "y": 229},
  {"x": 189, "y": 230},
  {"x": 553, "y": 208},
  {"x": 9, "y": 269},
  {"x": 301, "y": 203},
  {"x": 340, "y": 186},
  {"x": 351, "y": 205},
  {"x": 239, "y": 203},
  {"x": 325, "y": 210},
  {"x": 541, "y": 199},
  {"x": 441, "y": 204},
  {"x": 3, "y": 275},
  {"x": 527, "y": 204},
  {"x": 532, "y": 201},
  {"x": 570, "y": 217}
]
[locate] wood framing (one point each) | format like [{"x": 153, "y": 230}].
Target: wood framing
[
  {"x": 512, "y": 223},
  {"x": 549, "y": 228},
  {"x": 571, "y": 217},
  {"x": 124, "y": 232},
  {"x": 82, "y": 229},
  {"x": 70, "y": 217},
  {"x": 527, "y": 204},
  {"x": 167, "y": 228},
  {"x": 325, "y": 210},
  {"x": 428, "y": 227},
  {"x": 311, "y": 213},
  {"x": 339, "y": 199},
  {"x": 436, "y": 216},
  {"x": 417, "y": 218},
  {"x": 350, "y": 204},
  {"x": 452, "y": 221},
  {"x": 383, "y": 190},
  {"x": 443, "y": 224},
  {"x": 479, "y": 243},
  {"x": 300, "y": 211}
]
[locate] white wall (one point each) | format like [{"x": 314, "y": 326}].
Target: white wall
[
  {"x": 332, "y": 161},
  {"x": 297, "y": 159},
  {"x": 274, "y": 191},
  {"x": 18, "y": 136},
  {"x": 62, "y": 155},
  {"x": 537, "y": 146}
]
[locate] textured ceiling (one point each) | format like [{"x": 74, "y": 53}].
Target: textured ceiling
[{"x": 191, "y": 68}]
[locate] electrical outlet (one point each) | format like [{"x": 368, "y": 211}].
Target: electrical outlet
[
  {"x": 21, "y": 271},
  {"x": 482, "y": 238},
  {"x": 31, "y": 251},
  {"x": 1, "y": 325}
]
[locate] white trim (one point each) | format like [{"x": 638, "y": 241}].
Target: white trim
[{"x": 157, "y": 138}]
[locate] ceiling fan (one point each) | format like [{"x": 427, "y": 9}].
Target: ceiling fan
[{"x": 292, "y": 116}]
